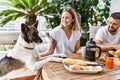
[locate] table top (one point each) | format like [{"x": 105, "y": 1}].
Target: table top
[{"x": 56, "y": 71}]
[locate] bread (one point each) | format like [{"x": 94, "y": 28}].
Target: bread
[
  {"x": 112, "y": 52},
  {"x": 92, "y": 67},
  {"x": 117, "y": 53},
  {"x": 76, "y": 61},
  {"x": 117, "y": 61},
  {"x": 78, "y": 67}
]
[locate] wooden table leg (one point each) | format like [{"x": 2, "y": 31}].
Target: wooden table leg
[{"x": 39, "y": 75}]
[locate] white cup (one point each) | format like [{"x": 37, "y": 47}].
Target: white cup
[{"x": 83, "y": 51}]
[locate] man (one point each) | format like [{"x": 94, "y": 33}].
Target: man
[{"x": 108, "y": 37}]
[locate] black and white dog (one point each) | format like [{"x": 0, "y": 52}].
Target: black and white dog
[{"x": 23, "y": 54}]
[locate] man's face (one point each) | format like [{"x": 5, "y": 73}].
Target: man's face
[{"x": 113, "y": 25}]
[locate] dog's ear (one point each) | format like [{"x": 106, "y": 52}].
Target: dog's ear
[
  {"x": 36, "y": 24},
  {"x": 24, "y": 27}
]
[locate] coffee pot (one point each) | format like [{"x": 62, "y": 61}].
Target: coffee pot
[{"x": 91, "y": 50}]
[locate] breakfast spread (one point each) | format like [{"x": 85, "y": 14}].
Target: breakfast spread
[
  {"x": 114, "y": 54},
  {"x": 81, "y": 66}
]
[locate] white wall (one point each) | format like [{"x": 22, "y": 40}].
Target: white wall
[
  {"x": 115, "y": 6},
  {"x": 8, "y": 37}
]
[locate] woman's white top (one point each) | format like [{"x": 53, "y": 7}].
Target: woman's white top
[
  {"x": 104, "y": 35},
  {"x": 64, "y": 45}
]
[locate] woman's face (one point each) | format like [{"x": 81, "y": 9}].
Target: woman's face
[{"x": 66, "y": 19}]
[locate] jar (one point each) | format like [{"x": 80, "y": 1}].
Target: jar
[{"x": 109, "y": 62}]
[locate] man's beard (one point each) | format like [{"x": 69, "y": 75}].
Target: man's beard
[{"x": 113, "y": 31}]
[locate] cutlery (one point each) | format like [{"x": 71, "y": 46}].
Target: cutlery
[{"x": 88, "y": 64}]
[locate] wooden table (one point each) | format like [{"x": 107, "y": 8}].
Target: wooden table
[{"x": 56, "y": 71}]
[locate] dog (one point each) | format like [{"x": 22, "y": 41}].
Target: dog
[{"x": 23, "y": 54}]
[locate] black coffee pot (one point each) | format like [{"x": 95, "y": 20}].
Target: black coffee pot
[{"x": 91, "y": 48}]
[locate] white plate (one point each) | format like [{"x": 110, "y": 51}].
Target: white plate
[{"x": 99, "y": 68}]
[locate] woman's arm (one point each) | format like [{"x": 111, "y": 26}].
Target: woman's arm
[
  {"x": 77, "y": 46},
  {"x": 51, "y": 48}
]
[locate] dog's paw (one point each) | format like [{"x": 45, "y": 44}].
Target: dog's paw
[
  {"x": 55, "y": 59},
  {"x": 60, "y": 55},
  {"x": 32, "y": 68}
]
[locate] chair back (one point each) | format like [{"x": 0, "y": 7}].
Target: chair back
[{"x": 92, "y": 31}]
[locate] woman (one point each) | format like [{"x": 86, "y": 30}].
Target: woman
[{"x": 65, "y": 38}]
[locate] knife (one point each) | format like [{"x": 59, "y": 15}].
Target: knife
[
  {"x": 94, "y": 64},
  {"x": 87, "y": 64}
]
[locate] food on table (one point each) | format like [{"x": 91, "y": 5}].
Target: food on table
[
  {"x": 114, "y": 53},
  {"x": 109, "y": 54},
  {"x": 76, "y": 61},
  {"x": 117, "y": 53},
  {"x": 78, "y": 67}
]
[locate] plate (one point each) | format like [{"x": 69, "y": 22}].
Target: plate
[{"x": 99, "y": 68}]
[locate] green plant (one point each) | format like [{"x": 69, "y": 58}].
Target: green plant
[
  {"x": 83, "y": 41},
  {"x": 29, "y": 9},
  {"x": 102, "y": 13},
  {"x": 3, "y": 48},
  {"x": 90, "y": 10}
]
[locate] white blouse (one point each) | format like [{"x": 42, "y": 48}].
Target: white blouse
[{"x": 64, "y": 45}]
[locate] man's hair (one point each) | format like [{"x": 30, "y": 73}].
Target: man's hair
[{"x": 115, "y": 15}]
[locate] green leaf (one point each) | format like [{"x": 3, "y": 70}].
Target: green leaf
[
  {"x": 19, "y": 6},
  {"x": 36, "y": 2},
  {"x": 17, "y": 16},
  {"x": 7, "y": 19},
  {"x": 3, "y": 48},
  {"x": 36, "y": 8},
  {"x": 24, "y": 3},
  {"x": 9, "y": 12},
  {"x": 31, "y": 3}
]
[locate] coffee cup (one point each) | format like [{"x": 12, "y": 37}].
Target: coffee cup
[{"x": 83, "y": 51}]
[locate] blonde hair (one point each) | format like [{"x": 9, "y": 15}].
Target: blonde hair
[{"x": 75, "y": 24}]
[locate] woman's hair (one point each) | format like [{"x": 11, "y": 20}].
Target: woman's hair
[{"x": 75, "y": 24}]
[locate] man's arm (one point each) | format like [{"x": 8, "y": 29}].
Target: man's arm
[{"x": 107, "y": 47}]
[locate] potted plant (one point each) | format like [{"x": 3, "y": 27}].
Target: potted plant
[{"x": 29, "y": 9}]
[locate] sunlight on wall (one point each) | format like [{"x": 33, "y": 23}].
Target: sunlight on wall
[{"x": 115, "y": 6}]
